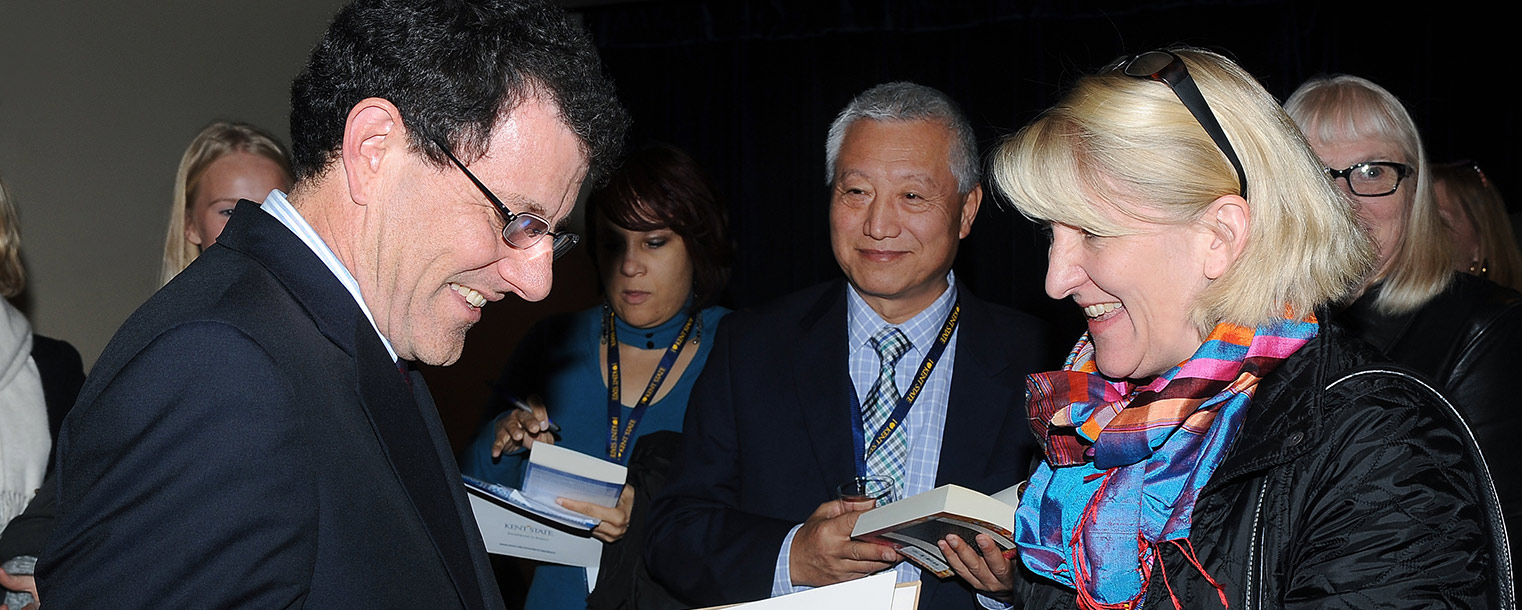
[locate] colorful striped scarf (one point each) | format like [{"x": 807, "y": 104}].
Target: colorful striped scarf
[{"x": 1125, "y": 463}]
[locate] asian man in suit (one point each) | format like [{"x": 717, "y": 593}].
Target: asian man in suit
[
  {"x": 254, "y": 435},
  {"x": 792, "y": 399}
]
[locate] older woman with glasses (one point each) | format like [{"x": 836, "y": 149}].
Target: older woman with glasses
[
  {"x": 1212, "y": 440},
  {"x": 659, "y": 243},
  {"x": 1461, "y": 331}
]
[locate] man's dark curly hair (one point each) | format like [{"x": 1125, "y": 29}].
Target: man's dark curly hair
[{"x": 452, "y": 67}]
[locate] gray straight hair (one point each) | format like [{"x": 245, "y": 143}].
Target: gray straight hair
[{"x": 905, "y": 101}]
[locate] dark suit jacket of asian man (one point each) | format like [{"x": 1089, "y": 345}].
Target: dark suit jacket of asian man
[
  {"x": 768, "y": 437},
  {"x": 246, "y": 441}
]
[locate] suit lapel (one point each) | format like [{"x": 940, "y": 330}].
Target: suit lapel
[
  {"x": 979, "y": 382},
  {"x": 412, "y": 449},
  {"x": 466, "y": 516},
  {"x": 822, "y": 385},
  {"x": 412, "y": 443},
  {"x": 262, "y": 238}
]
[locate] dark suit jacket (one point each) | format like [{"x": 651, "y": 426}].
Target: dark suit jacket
[
  {"x": 768, "y": 437},
  {"x": 245, "y": 441}
]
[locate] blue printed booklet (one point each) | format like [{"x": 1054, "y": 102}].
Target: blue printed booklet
[
  {"x": 517, "y": 499},
  {"x": 556, "y": 472},
  {"x": 508, "y": 528},
  {"x": 528, "y": 523}
]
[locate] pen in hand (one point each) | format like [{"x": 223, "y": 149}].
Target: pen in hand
[{"x": 518, "y": 404}]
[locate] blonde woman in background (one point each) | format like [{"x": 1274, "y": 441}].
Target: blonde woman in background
[
  {"x": 39, "y": 380},
  {"x": 1212, "y": 440},
  {"x": 1472, "y": 206},
  {"x": 1461, "y": 331},
  {"x": 224, "y": 163}
]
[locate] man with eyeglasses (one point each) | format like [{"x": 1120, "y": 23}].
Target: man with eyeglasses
[
  {"x": 255, "y": 436},
  {"x": 897, "y": 372}
]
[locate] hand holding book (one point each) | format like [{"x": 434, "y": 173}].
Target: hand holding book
[
  {"x": 923, "y": 528},
  {"x": 615, "y": 519},
  {"x": 584, "y": 494},
  {"x": 982, "y": 564}
]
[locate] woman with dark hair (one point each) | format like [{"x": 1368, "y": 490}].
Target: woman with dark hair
[{"x": 662, "y": 256}]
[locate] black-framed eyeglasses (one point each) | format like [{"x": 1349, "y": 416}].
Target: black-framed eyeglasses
[
  {"x": 1168, "y": 68},
  {"x": 1374, "y": 178},
  {"x": 520, "y": 229}
]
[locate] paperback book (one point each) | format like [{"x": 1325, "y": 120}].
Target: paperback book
[
  {"x": 528, "y": 523},
  {"x": 915, "y": 524}
]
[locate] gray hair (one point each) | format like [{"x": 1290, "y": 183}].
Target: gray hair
[
  {"x": 905, "y": 101},
  {"x": 1342, "y": 108}
]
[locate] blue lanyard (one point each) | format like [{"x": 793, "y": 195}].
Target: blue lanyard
[
  {"x": 618, "y": 444},
  {"x": 858, "y": 436}
]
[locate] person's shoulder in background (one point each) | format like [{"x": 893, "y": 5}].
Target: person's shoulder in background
[{"x": 63, "y": 373}]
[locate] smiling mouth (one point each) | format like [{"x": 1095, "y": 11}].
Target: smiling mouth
[
  {"x": 1100, "y": 310},
  {"x": 475, "y": 299},
  {"x": 881, "y": 255}
]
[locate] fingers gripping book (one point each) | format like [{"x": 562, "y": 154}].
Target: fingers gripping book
[{"x": 915, "y": 524}]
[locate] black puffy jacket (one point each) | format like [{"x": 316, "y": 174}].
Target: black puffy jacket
[
  {"x": 1467, "y": 339},
  {"x": 1350, "y": 485}
]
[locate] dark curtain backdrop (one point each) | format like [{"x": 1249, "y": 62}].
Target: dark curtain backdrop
[{"x": 749, "y": 87}]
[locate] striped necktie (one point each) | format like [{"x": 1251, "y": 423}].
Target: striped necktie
[{"x": 888, "y": 459}]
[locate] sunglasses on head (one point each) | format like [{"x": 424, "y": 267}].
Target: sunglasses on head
[{"x": 1166, "y": 67}]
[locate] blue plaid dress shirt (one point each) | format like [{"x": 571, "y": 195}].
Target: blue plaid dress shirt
[{"x": 926, "y": 421}]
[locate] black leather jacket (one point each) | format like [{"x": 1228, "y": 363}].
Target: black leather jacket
[
  {"x": 1468, "y": 340},
  {"x": 1350, "y": 485}
]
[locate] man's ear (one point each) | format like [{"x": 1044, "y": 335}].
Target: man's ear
[
  {"x": 1227, "y": 222},
  {"x": 373, "y": 137},
  {"x": 970, "y": 203}
]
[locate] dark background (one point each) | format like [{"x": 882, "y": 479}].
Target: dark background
[{"x": 749, "y": 87}]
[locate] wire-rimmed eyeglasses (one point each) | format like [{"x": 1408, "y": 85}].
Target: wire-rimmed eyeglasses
[
  {"x": 520, "y": 229},
  {"x": 1373, "y": 178},
  {"x": 1168, "y": 68}
]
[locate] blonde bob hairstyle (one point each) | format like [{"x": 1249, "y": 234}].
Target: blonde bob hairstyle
[
  {"x": 1343, "y": 108},
  {"x": 214, "y": 142},
  {"x": 1123, "y": 145},
  {"x": 12, "y": 274}
]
